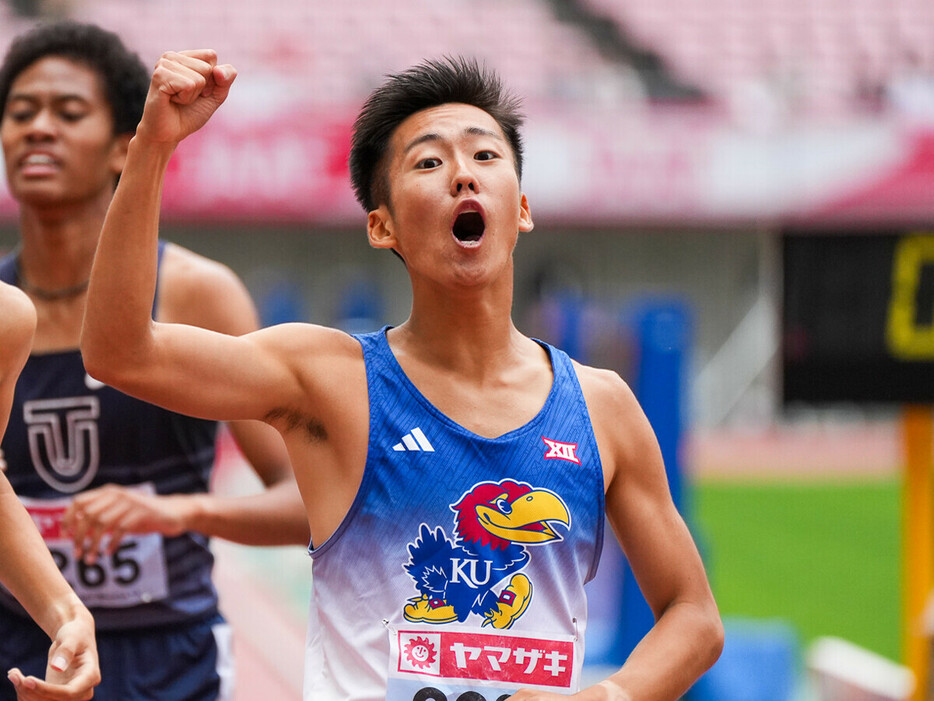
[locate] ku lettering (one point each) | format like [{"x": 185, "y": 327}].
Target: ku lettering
[{"x": 494, "y": 523}]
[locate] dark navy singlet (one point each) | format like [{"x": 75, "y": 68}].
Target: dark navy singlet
[
  {"x": 69, "y": 433},
  {"x": 460, "y": 567}
]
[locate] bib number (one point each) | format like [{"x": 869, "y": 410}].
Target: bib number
[
  {"x": 430, "y": 693},
  {"x": 134, "y": 574}
]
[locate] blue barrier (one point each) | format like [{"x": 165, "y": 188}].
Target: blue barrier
[
  {"x": 759, "y": 663},
  {"x": 662, "y": 330}
]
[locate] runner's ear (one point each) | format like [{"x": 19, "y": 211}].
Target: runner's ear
[
  {"x": 525, "y": 215},
  {"x": 379, "y": 228}
]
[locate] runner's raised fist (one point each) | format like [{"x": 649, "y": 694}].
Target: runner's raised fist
[{"x": 187, "y": 87}]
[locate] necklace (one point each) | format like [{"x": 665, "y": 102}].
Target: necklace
[{"x": 49, "y": 295}]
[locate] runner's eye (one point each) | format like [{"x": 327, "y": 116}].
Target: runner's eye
[
  {"x": 20, "y": 115},
  {"x": 428, "y": 163},
  {"x": 486, "y": 156}
]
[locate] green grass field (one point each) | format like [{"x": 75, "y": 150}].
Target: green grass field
[{"x": 825, "y": 557}]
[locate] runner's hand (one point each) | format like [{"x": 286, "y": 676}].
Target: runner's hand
[
  {"x": 73, "y": 669},
  {"x": 114, "y": 511},
  {"x": 187, "y": 87}
]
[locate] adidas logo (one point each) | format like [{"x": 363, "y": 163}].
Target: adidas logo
[{"x": 414, "y": 441}]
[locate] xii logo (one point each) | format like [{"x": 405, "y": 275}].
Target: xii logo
[
  {"x": 561, "y": 451},
  {"x": 64, "y": 441}
]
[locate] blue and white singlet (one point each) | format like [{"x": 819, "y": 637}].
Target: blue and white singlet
[{"x": 460, "y": 567}]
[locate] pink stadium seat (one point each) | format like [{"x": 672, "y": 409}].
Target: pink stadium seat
[
  {"x": 322, "y": 45},
  {"x": 335, "y": 51},
  {"x": 834, "y": 44}
]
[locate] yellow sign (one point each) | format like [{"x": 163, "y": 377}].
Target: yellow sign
[{"x": 905, "y": 338}]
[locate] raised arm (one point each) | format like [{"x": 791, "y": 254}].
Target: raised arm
[
  {"x": 26, "y": 566},
  {"x": 200, "y": 292},
  {"x": 178, "y": 366}
]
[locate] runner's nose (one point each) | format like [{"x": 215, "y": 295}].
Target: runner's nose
[
  {"x": 463, "y": 178},
  {"x": 41, "y": 126}
]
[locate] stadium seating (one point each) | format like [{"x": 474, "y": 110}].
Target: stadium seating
[
  {"x": 825, "y": 55},
  {"x": 333, "y": 52},
  {"x": 819, "y": 56}
]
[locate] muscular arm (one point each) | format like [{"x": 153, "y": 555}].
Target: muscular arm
[
  {"x": 687, "y": 636},
  {"x": 26, "y": 567},
  {"x": 180, "y": 366},
  {"x": 203, "y": 355},
  {"x": 202, "y": 293}
]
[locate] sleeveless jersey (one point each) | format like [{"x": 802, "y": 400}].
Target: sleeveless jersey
[
  {"x": 69, "y": 433},
  {"x": 460, "y": 566}
]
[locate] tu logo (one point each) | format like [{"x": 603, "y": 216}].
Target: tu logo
[{"x": 64, "y": 441}]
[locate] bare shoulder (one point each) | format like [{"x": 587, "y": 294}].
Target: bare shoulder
[
  {"x": 624, "y": 435},
  {"x": 329, "y": 377},
  {"x": 17, "y": 320},
  {"x": 187, "y": 270},
  {"x": 303, "y": 341},
  {"x": 321, "y": 357},
  {"x": 197, "y": 290},
  {"x": 607, "y": 394}
]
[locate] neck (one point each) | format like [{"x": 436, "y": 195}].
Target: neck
[
  {"x": 47, "y": 295},
  {"x": 471, "y": 330},
  {"x": 56, "y": 252}
]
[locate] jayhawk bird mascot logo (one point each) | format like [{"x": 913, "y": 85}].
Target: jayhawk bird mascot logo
[{"x": 494, "y": 523}]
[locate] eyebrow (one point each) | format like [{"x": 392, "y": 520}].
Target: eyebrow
[
  {"x": 432, "y": 136},
  {"x": 60, "y": 97}
]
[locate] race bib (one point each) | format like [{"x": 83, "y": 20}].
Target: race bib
[
  {"x": 134, "y": 574},
  {"x": 431, "y": 664}
]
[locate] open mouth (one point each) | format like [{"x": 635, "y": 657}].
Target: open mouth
[
  {"x": 468, "y": 227},
  {"x": 38, "y": 164}
]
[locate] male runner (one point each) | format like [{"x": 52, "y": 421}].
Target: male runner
[
  {"x": 123, "y": 485},
  {"x": 456, "y": 473}
]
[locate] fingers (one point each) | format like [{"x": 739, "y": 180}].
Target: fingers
[
  {"x": 2, "y": 462},
  {"x": 32, "y": 689},
  {"x": 57, "y": 671},
  {"x": 184, "y": 76},
  {"x": 116, "y": 538},
  {"x": 104, "y": 516},
  {"x": 187, "y": 88},
  {"x": 107, "y": 522},
  {"x": 79, "y": 525},
  {"x": 20, "y": 681},
  {"x": 187, "y": 75},
  {"x": 73, "y": 670},
  {"x": 94, "y": 515},
  {"x": 203, "y": 55},
  {"x": 61, "y": 659},
  {"x": 224, "y": 76}
]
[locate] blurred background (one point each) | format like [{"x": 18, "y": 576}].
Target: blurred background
[{"x": 734, "y": 207}]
